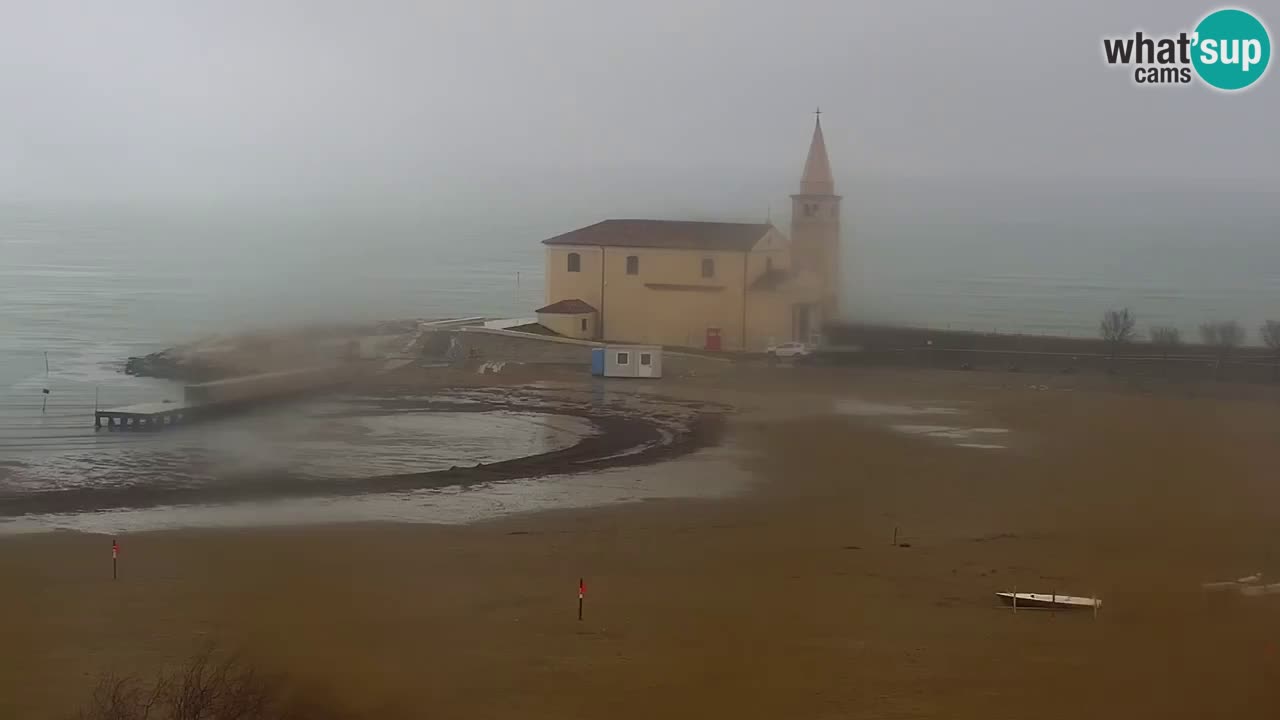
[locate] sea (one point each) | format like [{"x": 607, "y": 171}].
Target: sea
[{"x": 83, "y": 288}]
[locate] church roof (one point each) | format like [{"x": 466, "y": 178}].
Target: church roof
[
  {"x": 567, "y": 307},
  {"x": 817, "y": 168},
  {"x": 666, "y": 234}
]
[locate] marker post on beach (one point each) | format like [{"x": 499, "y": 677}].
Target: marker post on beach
[
  {"x": 115, "y": 554},
  {"x": 582, "y": 593}
]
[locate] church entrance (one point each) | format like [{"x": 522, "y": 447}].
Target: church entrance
[{"x": 713, "y": 339}]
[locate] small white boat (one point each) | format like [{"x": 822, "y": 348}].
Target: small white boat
[{"x": 1041, "y": 600}]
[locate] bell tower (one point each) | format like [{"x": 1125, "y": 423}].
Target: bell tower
[{"x": 815, "y": 228}]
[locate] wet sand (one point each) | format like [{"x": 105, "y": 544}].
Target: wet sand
[{"x": 788, "y": 601}]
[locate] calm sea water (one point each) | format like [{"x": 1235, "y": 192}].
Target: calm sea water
[{"x": 91, "y": 288}]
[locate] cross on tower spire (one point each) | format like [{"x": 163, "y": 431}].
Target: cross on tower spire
[{"x": 817, "y": 169}]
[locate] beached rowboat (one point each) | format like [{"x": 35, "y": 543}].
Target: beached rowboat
[{"x": 1039, "y": 600}]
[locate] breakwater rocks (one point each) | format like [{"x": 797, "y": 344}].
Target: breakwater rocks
[{"x": 174, "y": 364}]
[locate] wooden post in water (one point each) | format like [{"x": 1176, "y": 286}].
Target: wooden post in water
[
  {"x": 895, "y": 536},
  {"x": 1015, "y": 599}
]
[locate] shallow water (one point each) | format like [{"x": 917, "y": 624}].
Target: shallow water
[
  {"x": 351, "y": 458},
  {"x": 340, "y": 438},
  {"x": 886, "y": 415},
  {"x": 709, "y": 473}
]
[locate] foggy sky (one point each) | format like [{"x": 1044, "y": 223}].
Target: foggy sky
[{"x": 257, "y": 100}]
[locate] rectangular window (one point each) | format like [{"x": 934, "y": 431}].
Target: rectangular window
[
  {"x": 646, "y": 359},
  {"x": 584, "y": 324},
  {"x": 624, "y": 358},
  {"x": 708, "y": 268},
  {"x": 633, "y": 265}
]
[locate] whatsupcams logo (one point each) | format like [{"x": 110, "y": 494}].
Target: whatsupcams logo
[{"x": 1228, "y": 50}]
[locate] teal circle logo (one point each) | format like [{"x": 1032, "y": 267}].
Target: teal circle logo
[{"x": 1232, "y": 49}]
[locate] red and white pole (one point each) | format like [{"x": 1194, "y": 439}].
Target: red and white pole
[
  {"x": 582, "y": 593},
  {"x": 115, "y": 554}
]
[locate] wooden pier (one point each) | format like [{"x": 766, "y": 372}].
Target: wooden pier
[
  {"x": 218, "y": 397},
  {"x": 146, "y": 416}
]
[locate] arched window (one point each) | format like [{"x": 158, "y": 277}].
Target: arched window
[
  {"x": 633, "y": 265},
  {"x": 575, "y": 262}
]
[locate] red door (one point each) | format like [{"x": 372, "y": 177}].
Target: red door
[{"x": 713, "y": 338}]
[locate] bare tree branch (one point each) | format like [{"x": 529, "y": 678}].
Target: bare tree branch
[
  {"x": 1223, "y": 336},
  {"x": 1166, "y": 338},
  {"x": 1117, "y": 328},
  {"x": 1270, "y": 333}
]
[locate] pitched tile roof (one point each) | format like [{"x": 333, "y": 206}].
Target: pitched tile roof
[
  {"x": 567, "y": 307},
  {"x": 667, "y": 234}
]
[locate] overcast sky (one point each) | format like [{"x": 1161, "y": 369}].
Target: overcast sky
[{"x": 259, "y": 98}]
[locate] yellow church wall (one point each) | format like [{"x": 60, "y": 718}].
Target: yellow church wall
[
  {"x": 668, "y": 302},
  {"x": 677, "y": 317},
  {"x": 676, "y": 312},
  {"x": 770, "y": 316},
  {"x": 565, "y": 285},
  {"x": 581, "y": 326},
  {"x": 760, "y": 261}
]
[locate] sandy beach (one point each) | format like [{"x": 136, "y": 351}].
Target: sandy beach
[{"x": 787, "y": 600}]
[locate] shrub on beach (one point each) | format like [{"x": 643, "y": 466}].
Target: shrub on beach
[{"x": 208, "y": 686}]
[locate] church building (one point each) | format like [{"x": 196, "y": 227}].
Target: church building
[{"x": 712, "y": 285}]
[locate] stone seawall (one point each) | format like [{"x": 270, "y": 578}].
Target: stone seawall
[
  {"x": 960, "y": 350},
  {"x": 530, "y": 349},
  {"x": 492, "y": 346}
]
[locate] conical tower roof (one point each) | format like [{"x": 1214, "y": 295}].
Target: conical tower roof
[{"x": 817, "y": 168}]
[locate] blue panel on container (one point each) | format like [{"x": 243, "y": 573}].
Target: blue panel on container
[{"x": 597, "y": 361}]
